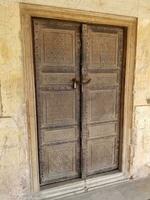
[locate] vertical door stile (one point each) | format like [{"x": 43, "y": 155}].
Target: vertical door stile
[{"x": 84, "y": 74}]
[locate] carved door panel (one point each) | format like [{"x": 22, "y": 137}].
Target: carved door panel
[
  {"x": 57, "y": 57},
  {"x": 101, "y": 113}
]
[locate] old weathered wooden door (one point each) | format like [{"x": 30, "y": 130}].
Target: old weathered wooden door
[{"x": 78, "y": 76}]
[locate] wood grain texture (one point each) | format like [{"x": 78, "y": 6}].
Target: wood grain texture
[{"x": 58, "y": 106}]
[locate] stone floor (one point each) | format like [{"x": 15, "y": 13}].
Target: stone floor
[{"x": 133, "y": 190}]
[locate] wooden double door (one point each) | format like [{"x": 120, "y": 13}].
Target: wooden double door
[{"x": 79, "y": 92}]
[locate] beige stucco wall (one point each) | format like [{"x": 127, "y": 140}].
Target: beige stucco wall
[{"x": 14, "y": 167}]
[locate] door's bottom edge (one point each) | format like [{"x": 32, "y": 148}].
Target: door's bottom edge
[{"x": 80, "y": 187}]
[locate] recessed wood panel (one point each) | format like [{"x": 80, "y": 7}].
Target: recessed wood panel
[
  {"x": 102, "y": 154},
  {"x": 56, "y": 79},
  {"x": 103, "y": 50},
  {"x": 103, "y": 80},
  {"x": 58, "y": 107},
  {"x": 59, "y": 135},
  {"x": 59, "y": 161},
  {"x": 103, "y": 130},
  {"x": 103, "y": 105},
  {"x": 58, "y": 47}
]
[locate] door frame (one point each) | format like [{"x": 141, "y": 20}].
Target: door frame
[{"x": 27, "y": 11}]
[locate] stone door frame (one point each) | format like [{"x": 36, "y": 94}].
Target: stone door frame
[{"x": 28, "y": 11}]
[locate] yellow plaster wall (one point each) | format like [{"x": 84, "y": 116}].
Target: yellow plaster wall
[{"x": 14, "y": 165}]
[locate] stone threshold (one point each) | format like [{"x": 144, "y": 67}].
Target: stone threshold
[{"x": 80, "y": 186}]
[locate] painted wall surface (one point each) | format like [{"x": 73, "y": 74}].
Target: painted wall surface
[{"x": 14, "y": 164}]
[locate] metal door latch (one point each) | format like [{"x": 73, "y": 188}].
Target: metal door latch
[{"x": 75, "y": 82}]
